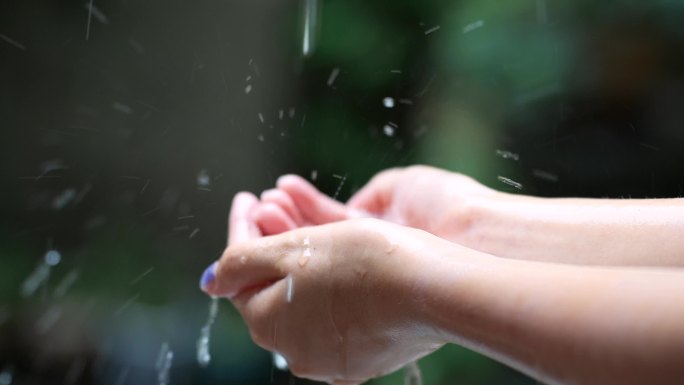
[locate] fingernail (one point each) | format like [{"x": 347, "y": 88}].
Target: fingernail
[{"x": 208, "y": 276}]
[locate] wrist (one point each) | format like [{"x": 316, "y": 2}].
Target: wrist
[
  {"x": 484, "y": 222},
  {"x": 445, "y": 287}
]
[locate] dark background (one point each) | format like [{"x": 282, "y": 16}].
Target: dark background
[{"x": 124, "y": 138}]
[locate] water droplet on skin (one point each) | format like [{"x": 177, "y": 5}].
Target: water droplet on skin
[
  {"x": 243, "y": 259},
  {"x": 290, "y": 289},
  {"x": 306, "y": 254}
]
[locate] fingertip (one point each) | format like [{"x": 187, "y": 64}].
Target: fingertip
[
  {"x": 284, "y": 200},
  {"x": 291, "y": 180},
  {"x": 315, "y": 206},
  {"x": 208, "y": 278},
  {"x": 245, "y": 197},
  {"x": 272, "y": 219},
  {"x": 270, "y": 195}
]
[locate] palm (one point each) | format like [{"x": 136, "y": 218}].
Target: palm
[{"x": 421, "y": 197}]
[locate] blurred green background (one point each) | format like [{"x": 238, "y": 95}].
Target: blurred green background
[{"x": 125, "y": 131}]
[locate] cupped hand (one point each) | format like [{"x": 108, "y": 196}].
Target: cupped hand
[
  {"x": 423, "y": 197},
  {"x": 341, "y": 302}
]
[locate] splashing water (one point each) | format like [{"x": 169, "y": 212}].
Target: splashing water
[
  {"x": 333, "y": 76},
  {"x": 412, "y": 374},
  {"x": 41, "y": 274},
  {"x": 389, "y": 129},
  {"x": 342, "y": 178},
  {"x": 508, "y": 155},
  {"x": 310, "y": 25},
  {"x": 279, "y": 361},
  {"x": 203, "y": 355},
  {"x": 510, "y": 182},
  {"x": 6, "y": 376},
  {"x": 473, "y": 26},
  {"x": 388, "y": 102},
  {"x": 163, "y": 366}
]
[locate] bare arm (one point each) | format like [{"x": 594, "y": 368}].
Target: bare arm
[
  {"x": 564, "y": 324},
  {"x": 457, "y": 208},
  {"x": 349, "y": 301},
  {"x": 578, "y": 231}
]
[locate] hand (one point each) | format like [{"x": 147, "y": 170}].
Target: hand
[
  {"x": 337, "y": 301},
  {"x": 423, "y": 197}
]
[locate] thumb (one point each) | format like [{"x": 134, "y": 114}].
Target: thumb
[
  {"x": 376, "y": 195},
  {"x": 246, "y": 267}
]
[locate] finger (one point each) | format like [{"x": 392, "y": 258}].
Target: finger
[
  {"x": 241, "y": 228},
  {"x": 272, "y": 219},
  {"x": 376, "y": 195},
  {"x": 282, "y": 199},
  {"x": 260, "y": 311},
  {"x": 314, "y": 205},
  {"x": 248, "y": 266},
  {"x": 241, "y": 225}
]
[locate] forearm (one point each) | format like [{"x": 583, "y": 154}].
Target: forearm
[
  {"x": 580, "y": 231},
  {"x": 560, "y": 323}
]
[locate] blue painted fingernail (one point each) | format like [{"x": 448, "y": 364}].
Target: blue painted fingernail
[{"x": 208, "y": 276}]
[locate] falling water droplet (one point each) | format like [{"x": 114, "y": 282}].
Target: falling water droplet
[
  {"x": 53, "y": 257},
  {"x": 508, "y": 155},
  {"x": 412, "y": 374},
  {"x": 310, "y": 26},
  {"x": 163, "y": 366},
  {"x": 203, "y": 178},
  {"x": 6, "y": 376},
  {"x": 203, "y": 355},
  {"x": 388, "y": 130},
  {"x": 510, "y": 182},
  {"x": 388, "y": 102},
  {"x": 333, "y": 76},
  {"x": 279, "y": 361}
]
